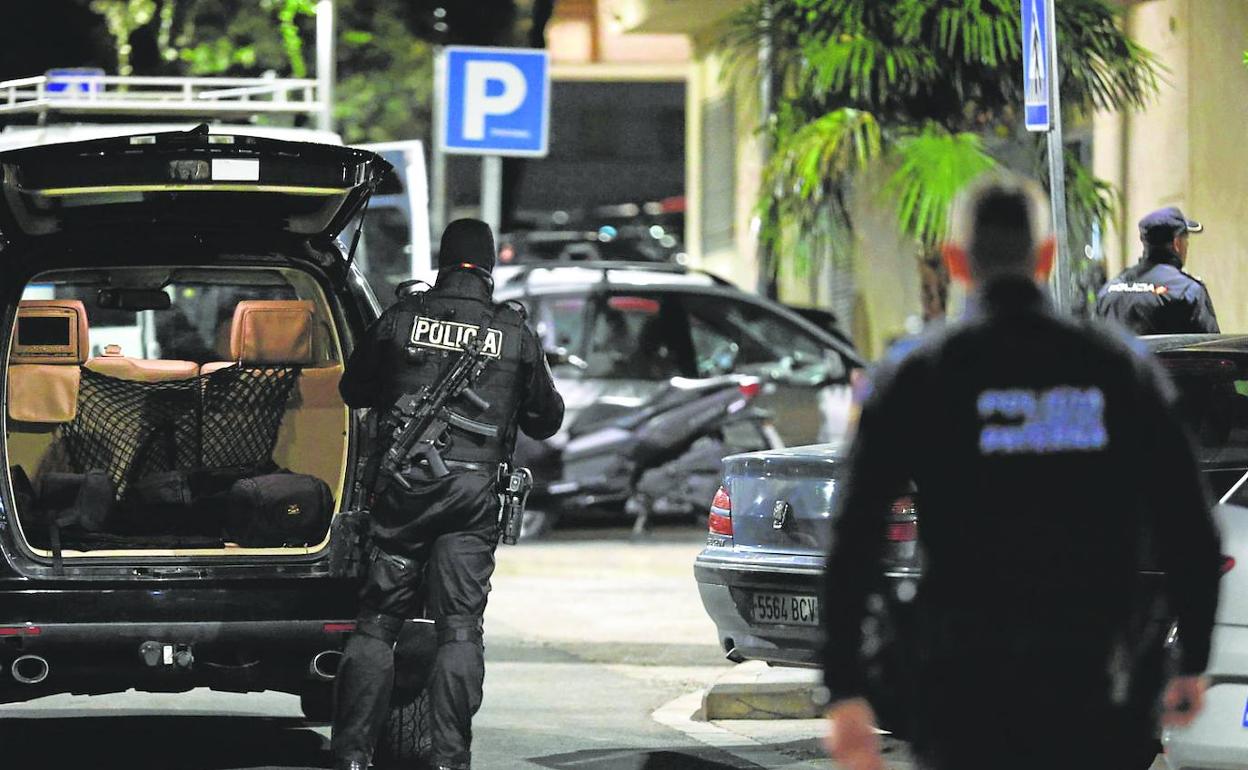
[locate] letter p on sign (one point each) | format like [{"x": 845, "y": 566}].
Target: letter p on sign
[
  {"x": 496, "y": 101},
  {"x": 479, "y": 77}
]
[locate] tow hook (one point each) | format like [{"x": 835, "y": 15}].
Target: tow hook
[{"x": 167, "y": 655}]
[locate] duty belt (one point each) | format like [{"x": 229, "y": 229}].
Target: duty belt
[{"x": 420, "y": 471}]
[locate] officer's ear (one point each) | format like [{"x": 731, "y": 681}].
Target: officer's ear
[
  {"x": 1044, "y": 257},
  {"x": 957, "y": 261}
]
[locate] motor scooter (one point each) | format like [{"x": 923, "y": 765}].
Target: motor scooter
[{"x": 660, "y": 457}]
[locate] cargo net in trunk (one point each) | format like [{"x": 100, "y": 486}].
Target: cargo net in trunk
[{"x": 132, "y": 429}]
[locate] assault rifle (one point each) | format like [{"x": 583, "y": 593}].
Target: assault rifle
[{"x": 423, "y": 418}]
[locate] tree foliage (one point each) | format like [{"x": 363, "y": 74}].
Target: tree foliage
[{"x": 927, "y": 90}]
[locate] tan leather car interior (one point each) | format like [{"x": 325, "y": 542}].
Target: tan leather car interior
[
  {"x": 313, "y": 435},
  {"x": 43, "y": 387}
]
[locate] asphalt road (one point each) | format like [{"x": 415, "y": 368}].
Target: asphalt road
[{"x": 585, "y": 639}]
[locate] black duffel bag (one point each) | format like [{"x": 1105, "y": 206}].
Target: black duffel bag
[
  {"x": 278, "y": 509},
  {"x": 181, "y": 502},
  {"x": 78, "y": 500}
]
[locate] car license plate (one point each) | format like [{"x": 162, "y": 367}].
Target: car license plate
[{"x": 792, "y": 609}]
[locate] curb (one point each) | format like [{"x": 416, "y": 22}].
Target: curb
[
  {"x": 756, "y": 691},
  {"x": 684, "y": 714}
]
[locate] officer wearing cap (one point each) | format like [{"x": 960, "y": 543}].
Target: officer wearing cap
[
  {"x": 1013, "y": 426},
  {"x": 1155, "y": 296},
  {"x": 436, "y": 540}
]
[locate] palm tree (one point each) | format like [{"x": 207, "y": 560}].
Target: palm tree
[{"x": 926, "y": 95}]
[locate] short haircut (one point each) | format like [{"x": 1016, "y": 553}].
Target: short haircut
[{"x": 1000, "y": 220}]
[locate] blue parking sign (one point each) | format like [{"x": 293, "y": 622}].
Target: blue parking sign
[{"x": 497, "y": 101}]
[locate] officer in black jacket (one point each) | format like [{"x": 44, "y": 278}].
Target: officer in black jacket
[
  {"x": 1045, "y": 455},
  {"x": 438, "y": 538},
  {"x": 1155, "y": 295}
]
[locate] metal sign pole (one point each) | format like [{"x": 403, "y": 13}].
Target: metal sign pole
[
  {"x": 492, "y": 191},
  {"x": 325, "y": 63},
  {"x": 1057, "y": 172},
  {"x": 437, "y": 160}
]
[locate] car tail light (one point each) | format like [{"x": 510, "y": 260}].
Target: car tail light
[
  {"x": 720, "y": 521},
  {"x": 20, "y": 631},
  {"x": 750, "y": 388},
  {"x": 904, "y": 525},
  {"x": 905, "y": 506},
  {"x": 903, "y": 532},
  {"x": 339, "y": 628},
  {"x": 1228, "y": 563}
]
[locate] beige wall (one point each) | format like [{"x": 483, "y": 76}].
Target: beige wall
[
  {"x": 886, "y": 272},
  {"x": 737, "y": 263},
  {"x": 1218, "y": 176},
  {"x": 1186, "y": 149}
]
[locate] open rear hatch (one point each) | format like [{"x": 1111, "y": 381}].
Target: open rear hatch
[
  {"x": 158, "y": 447},
  {"x": 192, "y": 180}
]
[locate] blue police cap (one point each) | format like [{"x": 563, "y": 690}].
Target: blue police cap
[{"x": 1164, "y": 225}]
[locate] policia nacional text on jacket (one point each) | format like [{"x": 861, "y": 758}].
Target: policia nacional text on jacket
[
  {"x": 437, "y": 539},
  {"x": 1046, "y": 456}
]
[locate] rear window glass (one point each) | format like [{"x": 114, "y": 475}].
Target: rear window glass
[{"x": 197, "y": 324}]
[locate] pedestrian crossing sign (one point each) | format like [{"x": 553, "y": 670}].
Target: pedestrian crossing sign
[{"x": 1037, "y": 85}]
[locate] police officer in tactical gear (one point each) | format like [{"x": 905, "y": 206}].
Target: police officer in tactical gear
[
  {"x": 436, "y": 539},
  {"x": 1045, "y": 456},
  {"x": 1155, "y": 296}
]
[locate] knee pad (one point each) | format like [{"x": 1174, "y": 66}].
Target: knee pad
[
  {"x": 460, "y": 628},
  {"x": 379, "y": 626}
]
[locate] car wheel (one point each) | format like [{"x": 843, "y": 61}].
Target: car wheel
[
  {"x": 317, "y": 702},
  {"x": 406, "y": 738},
  {"x": 537, "y": 523}
]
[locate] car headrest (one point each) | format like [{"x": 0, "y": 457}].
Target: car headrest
[
  {"x": 50, "y": 331},
  {"x": 273, "y": 332}
]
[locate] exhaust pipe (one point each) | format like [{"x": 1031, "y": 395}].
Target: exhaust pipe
[
  {"x": 324, "y": 665},
  {"x": 30, "y": 669}
]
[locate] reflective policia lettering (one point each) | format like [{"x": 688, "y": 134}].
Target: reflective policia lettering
[
  {"x": 1061, "y": 419},
  {"x": 1135, "y": 288},
  {"x": 449, "y": 335}
]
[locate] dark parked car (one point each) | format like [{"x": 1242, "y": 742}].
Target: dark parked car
[
  {"x": 769, "y": 526},
  {"x": 178, "y": 463},
  {"x": 618, "y": 332}
]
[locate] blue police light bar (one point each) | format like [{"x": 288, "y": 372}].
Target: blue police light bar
[{"x": 74, "y": 80}]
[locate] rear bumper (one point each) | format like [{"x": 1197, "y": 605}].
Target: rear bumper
[
  {"x": 727, "y": 581},
  {"x": 239, "y": 639}
]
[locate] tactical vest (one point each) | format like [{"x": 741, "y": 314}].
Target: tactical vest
[{"x": 426, "y": 339}]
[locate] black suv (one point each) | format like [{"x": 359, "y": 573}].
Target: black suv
[{"x": 179, "y": 464}]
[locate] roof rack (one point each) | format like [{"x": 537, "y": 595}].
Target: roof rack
[
  {"x": 527, "y": 269},
  {"x": 92, "y": 93}
]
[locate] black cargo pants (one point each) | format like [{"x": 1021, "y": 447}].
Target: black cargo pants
[{"x": 444, "y": 557}]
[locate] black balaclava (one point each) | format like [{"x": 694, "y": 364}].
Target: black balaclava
[{"x": 467, "y": 242}]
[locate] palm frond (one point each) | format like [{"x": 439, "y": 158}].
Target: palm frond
[
  {"x": 825, "y": 151},
  {"x": 1089, "y": 198},
  {"x": 932, "y": 168}
]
